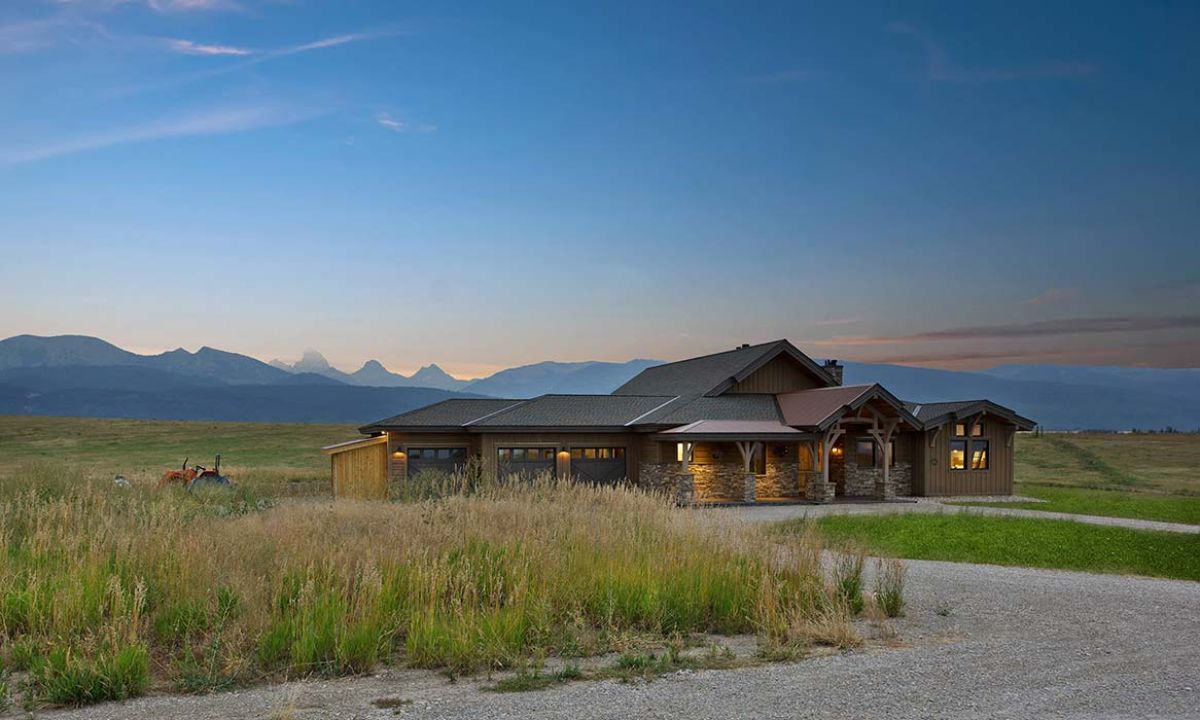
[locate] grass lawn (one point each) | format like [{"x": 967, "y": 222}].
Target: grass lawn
[
  {"x": 1023, "y": 542},
  {"x": 1110, "y": 503}
]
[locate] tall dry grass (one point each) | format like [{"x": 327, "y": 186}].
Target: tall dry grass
[{"x": 103, "y": 590}]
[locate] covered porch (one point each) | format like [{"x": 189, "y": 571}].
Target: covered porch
[{"x": 855, "y": 445}]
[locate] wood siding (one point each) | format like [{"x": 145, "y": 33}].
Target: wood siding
[
  {"x": 361, "y": 471},
  {"x": 781, "y": 375},
  {"x": 939, "y": 479},
  {"x": 484, "y": 445}
]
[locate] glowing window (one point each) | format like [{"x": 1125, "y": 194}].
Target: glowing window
[
  {"x": 958, "y": 454},
  {"x": 979, "y": 455}
]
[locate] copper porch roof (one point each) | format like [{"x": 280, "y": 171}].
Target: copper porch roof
[{"x": 811, "y": 408}]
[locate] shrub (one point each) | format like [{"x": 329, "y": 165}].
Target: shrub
[
  {"x": 848, "y": 570},
  {"x": 63, "y": 677},
  {"x": 889, "y": 586}
]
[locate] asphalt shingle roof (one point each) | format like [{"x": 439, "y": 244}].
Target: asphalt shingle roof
[
  {"x": 447, "y": 413},
  {"x": 575, "y": 411},
  {"x": 696, "y": 376},
  {"x": 929, "y": 411},
  {"x": 723, "y": 407}
]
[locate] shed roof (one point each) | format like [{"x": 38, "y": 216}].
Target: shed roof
[
  {"x": 713, "y": 374},
  {"x": 732, "y": 430}
]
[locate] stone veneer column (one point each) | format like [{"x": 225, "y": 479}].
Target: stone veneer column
[
  {"x": 884, "y": 489},
  {"x": 685, "y": 489},
  {"x": 750, "y": 488},
  {"x": 817, "y": 490}
]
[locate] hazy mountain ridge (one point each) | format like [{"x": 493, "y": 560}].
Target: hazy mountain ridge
[
  {"x": 79, "y": 375},
  {"x": 373, "y": 374}
]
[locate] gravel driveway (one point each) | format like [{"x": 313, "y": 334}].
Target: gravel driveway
[{"x": 980, "y": 642}]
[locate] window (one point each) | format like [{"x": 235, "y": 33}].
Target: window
[
  {"x": 680, "y": 449},
  {"x": 864, "y": 452},
  {"x": 979, "y": 455},
  {"x": 891, "y": 453},
  {"x": 958, "y": 454},
  {"x": 960, "y": 429},
  {"x": 598, "y": 453},
  {"x": 524, "y": 454},
  {"x": 457, "y": 453}
]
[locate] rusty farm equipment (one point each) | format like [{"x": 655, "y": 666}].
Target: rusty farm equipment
[{"x": 196, "y": 476}]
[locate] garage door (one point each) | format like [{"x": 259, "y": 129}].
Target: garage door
[
  {"x": 524, "y": 461},
  {"x": 441, "y": 460},
  {"x": 599, "y": 465}
]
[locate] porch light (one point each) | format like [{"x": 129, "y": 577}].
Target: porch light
[
  {"x": 398, "y": 455},
  {"x": 835, "y": 451}
]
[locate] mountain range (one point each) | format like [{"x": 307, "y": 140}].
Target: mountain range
[{"x": 86, "y": 376}]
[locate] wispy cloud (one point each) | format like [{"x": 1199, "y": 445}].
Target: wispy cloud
[
  {"x": 1046, "y": 328},
  {"x": 191, "y": 5},
  {"x": 188, "y": 47},
  {"x": 258, "y": 57},
  {"x": 939, "y": 68},
  {"x": 208, "y": 122},
  {"x": 32, "y": 35},
  {"x": 839, "y": 321},
  {"x": 400, "y": 126},
  {"x": 1053, "y": 296}
]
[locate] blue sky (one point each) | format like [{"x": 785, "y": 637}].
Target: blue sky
[{"x": 488, "y": 184}]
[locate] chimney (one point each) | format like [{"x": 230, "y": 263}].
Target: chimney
[
  {"x": 744, "y": 346},
  {"x": 835, "y": 369}
]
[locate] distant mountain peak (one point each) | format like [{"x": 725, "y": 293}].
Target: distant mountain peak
[
  {"x": 432, "y": 371},
  {"x": 312, "y": 361}
]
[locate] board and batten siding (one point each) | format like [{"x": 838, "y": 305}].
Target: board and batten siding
[
  {"x": 359, "y": 469},
  {"x": 781, "y": 375},
  {"x": 939, "y": 479}
]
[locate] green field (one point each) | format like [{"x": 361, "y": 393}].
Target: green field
[
  {"x": 1025, "y": 542},
  {"x": 141, "y": 450},
  {"x": 1143, "y": 476},
  {"x": 1153, "y": 463}
]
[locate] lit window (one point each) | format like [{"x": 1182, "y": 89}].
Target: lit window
[
  {"x": 979, "y": 454},
  {"x": 680, "y": 449},
  {"x": 958, "y": 454},
  {"x": 977, "y": 430},
  {"x": 589, "y": 453},
  {"x": 504, "y": 454},
  {"x": 960, "y": 430},
  {"x": 576, "y": 453}
]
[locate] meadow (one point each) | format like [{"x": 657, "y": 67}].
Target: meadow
[
  {"x": 110, "y": 592},
  {"x": 1142, "y": 476}
]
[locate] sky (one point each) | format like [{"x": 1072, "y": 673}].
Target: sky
[{"x": 483, "y": 185}]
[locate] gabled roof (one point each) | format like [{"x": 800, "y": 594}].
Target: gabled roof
[
  {"x": 821, "y": 407},
  {"x": 448, "y": 414},
  {"x": 939, "y": 413},
  {"x": 573, "y": 411},
  {"x": 714, "y": 374}
]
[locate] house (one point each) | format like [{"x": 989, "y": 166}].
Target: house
[{"x": 760, "y": 423}]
